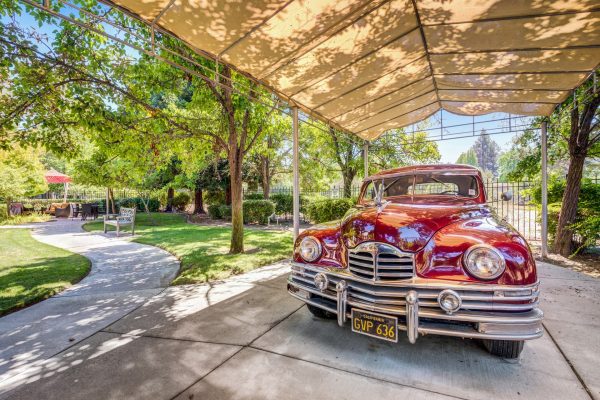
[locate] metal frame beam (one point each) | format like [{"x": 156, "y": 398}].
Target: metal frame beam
[
  {"x": 366, "y": 158},
  {"x": 296, "y": 169},
  {"x": 544, "y": 137}
]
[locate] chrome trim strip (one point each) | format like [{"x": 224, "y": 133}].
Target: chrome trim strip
[{"x": 416, "y": 282}]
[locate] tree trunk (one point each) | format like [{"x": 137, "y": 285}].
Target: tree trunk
[
  {"x": 170, "y": 195},
  {"x": 111, "y": 199},
  {"x": 348, "y": 177},
  {"x": 198, "y": 202},
  {"x": 228, "y": 194},
  {"x": 563, "y": 240},
  {"x": 265, "y": 181},
  {"x": 237, "y": 212}
]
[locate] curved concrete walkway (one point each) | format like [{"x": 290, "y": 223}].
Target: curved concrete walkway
[{"x": 123, "y": 276}]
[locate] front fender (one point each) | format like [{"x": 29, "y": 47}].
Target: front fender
[
  {"x": 330, "y": 237},
  {"x": 442, "y": 257}
]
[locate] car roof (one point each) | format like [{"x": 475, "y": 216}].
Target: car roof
[{"x": 439, "y": 168}]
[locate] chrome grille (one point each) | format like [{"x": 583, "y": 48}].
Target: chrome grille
[{"x": 379, "y": 261}]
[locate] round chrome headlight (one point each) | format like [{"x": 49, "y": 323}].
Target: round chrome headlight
[
  {"x": 484, "y": 262},
  {"x": 310, "y": 249}
]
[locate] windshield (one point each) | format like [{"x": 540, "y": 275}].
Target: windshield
[{"x": 423, "y": 185}]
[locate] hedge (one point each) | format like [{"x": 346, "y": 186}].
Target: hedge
[
  {"x": 3, "y": 212},
  {"x": 328, "y": 210},
  {"x": 589, "y": 196},
  {"x": 254, "y": 196},
  {"x": 255, "y": 211},
  {"x": 225, "y": 212},
  {"x": 258, "y": 211},
  {"x": 214, "y": 211},
  {"x": 180, "y": 200},
  {"x": 586, "y": 227},
  {"x": 137, "y": 203},
  {"x": 284, "y": 203}
]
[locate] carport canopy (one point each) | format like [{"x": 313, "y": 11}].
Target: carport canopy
[{"x": 367, "y": 66}]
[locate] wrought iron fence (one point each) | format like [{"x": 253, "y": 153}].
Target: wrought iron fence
[
  {"x": 516, "y": 209},
  {"x": 74, "y": 195}
]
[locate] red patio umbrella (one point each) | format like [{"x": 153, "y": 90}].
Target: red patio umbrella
[{"x": 53, "y": 176}]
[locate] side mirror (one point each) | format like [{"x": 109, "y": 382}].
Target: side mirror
[{"x": 506, "y": 196}]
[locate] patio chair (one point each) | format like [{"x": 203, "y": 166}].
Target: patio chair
[
  {"x": 16, "y": 209},
  {"x": 63, "y": 212},
  {"x": 75, "y": 210},
  {"x": 89, "y": 210},
  {"x": 126, "y": 217}
]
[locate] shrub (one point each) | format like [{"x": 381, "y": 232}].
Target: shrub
[
  {"x": 214, "y": 211},
  {"x": 3, "y": 212},
  {"x": 225, "y": 212},
  {"x": 254, "y": 196},
  {"x": 214, "y": 197},
  {"x": 284, "y": 203},
  {"x": 328, "y": 210},
  {"x": 587, "y": 230},
  {"x": 181, "y": 200},
  {"x": 586, "y": 227},
  {"x": 258, "y": 211},
  {"x": 589, "y": 197},
  {"x": 137, "y": 203}
]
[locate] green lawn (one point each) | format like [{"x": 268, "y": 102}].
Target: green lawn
[
  {"x": 203, "y": 249},
  {"x": 31, "y": 271}
]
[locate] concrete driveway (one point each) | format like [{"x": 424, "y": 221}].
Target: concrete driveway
[{"x": 247, "y": 339}]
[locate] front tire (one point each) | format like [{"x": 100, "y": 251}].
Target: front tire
[
  {"x": 319, "y": 312},
  {"x": 505, "y": 348}
]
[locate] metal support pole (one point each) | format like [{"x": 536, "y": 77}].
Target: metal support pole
[
  {"x": 366, "y": 158},
  {"x": 544, "y": 190},
  {"x": 296, "y": 172},
  {"x": 107, "y": 199}
]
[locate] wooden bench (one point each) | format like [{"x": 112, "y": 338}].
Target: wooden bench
[{"x": 126, "y": 217}]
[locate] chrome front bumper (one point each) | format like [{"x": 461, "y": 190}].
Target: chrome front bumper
[{"x": 488, "y": 311}]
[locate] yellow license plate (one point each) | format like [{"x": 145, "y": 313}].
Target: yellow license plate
[{"x": 375, "y": 325}]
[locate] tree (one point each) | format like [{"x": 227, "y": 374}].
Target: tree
[
  {"x": 583, "y": 138},
  {"x": 486, "y": 151},
  {"x": 468, "y": 158},
  {"x": 346, "y": 151},
  {"x": 397, "y": 148},
  {"x": 79, "y": 82},
  {"x": 338, "y": 152},
  {"x": 507, "y": 163},
  {"x": 269, "y": 156},
  {"x": 573, "y": 138},
  {"x": 21, "y": 174}
]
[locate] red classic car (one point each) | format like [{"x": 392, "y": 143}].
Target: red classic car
[{"x": 422, "y": 253}]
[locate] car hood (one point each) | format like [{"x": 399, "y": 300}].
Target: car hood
[{"x": 406, "y": 226}]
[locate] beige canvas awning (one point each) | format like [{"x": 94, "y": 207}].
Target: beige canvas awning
[{"x": 369, "y": 66}]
